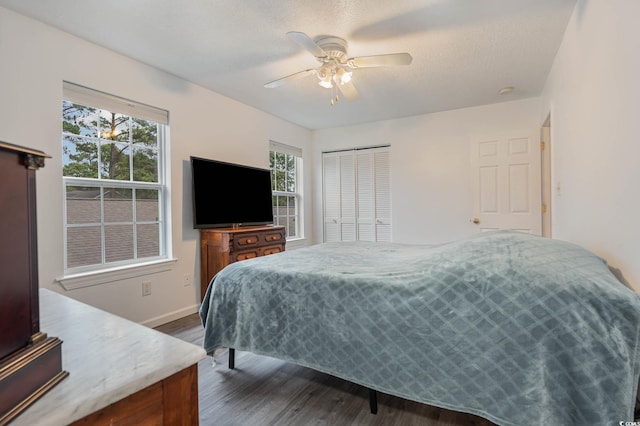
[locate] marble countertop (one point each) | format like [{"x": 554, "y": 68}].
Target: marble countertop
[{"x": 108, "y": 358}]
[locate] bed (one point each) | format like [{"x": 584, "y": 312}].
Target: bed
[{"x": 515, "y": 328}]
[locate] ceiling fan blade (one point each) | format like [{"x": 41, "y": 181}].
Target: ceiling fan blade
[
  {"x": 283, "y": 80},
  {"x": 349, "y": 91},
  {"x": 305, "y": 41},
  {"x": 387, "y": 60}
]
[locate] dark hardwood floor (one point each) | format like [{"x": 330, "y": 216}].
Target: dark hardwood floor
[{"x": 266, "y": 391}]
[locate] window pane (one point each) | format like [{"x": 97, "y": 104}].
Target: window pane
[
  {"x": 118, "y": 205},
  {"x": 114, "y": 126},
  {"x": 291, "y": 174},
  {"x": 273, "y": 179},
  {"x": 115, "y": 161},
  {"x": 291, "y": 227},
  {"x": 83, "y": 204},
  {"x": 148, "y": 237},
  {"x": 291, "y": 162},
  {"x": 118, "y": 242},
  {"x": 144, "y": 132},
  {"x": 147, "y": 207},
  {"x": 145, "y": 164},
  {"x": 83, "y": 246},
  {"x": 280, "y": 161},
  {"x": 280, "y": 180},
  {"x": 276, "y": 206},
  {"x": 79, "y": 157},
  {"x": 79, "y": 120}
]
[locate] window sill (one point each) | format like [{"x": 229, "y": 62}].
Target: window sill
[{"x": 88, "y": 279}]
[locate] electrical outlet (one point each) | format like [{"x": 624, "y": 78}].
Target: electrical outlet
[
  {"x": 187, "y": 279},
  {"x": 146, "y": 288}
]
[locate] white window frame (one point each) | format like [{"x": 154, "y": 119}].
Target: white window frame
[
  {"x": 89, "y": 275},
  {"x": 298, "y": 194}
]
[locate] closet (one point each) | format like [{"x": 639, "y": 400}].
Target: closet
[{"x": 357, "y": 195}]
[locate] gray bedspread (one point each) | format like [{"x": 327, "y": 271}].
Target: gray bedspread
[{"x": 518, "y": 329}]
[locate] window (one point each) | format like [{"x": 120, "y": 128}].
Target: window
[
  {"x": 114, "y": 181},
  {"x": 285, "y": 163}
]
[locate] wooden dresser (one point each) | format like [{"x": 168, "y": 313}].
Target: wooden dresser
[{"x": 222, "y": 246}]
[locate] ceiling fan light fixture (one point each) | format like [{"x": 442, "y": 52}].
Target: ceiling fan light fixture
[
  {"x": 342, "y": 76},
  {"x": 325, "y": 75}
]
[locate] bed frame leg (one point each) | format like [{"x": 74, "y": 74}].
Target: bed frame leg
[
  {"x": 373, "y": 401},
  {"x": 232, "y": 358}
]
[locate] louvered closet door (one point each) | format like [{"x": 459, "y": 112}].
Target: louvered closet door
[
  {"x": 382, "y": 190},
  {"x": 357, "y": 197},
  {"x": 331, "y": 197},
  {"x": 339, "y": 196},
  {"x": 366, "y": 203}
]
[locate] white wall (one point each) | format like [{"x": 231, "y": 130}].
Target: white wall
[
  {"x": 35, "y": 60},
  {"x": 430, "y": 181},
  {"x": 593, "y": 95}
]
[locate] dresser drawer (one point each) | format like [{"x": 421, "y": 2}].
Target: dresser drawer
[
  {"x": 243, "y": 255},
  {"x": 273, "y": 237},
  {"x": 255, "y": 252},
  {"x": 264, "y": 251},
  {"x": 244, "y": 241},
  {"x": 257, "y": 239}
]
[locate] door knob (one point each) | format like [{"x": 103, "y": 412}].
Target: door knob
[{"x": 475, "y": 220}]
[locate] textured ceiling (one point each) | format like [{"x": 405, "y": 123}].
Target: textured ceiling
[{"x": 463, "y": 51}]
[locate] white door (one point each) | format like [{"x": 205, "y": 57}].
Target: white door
[{"x": 505, "y": 182}]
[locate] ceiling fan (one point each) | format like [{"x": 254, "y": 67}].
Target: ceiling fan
[{"x": 336, "y": 67}]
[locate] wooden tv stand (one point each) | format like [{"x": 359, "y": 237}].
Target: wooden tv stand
[{"x": 221, "y": 246}]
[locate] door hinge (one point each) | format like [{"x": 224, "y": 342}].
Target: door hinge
[
  {"x": 543, "y": 208},
  {"x": 542, "y": 145}
]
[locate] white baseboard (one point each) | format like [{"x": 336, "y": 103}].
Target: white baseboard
[{"x": 171, "y": 316}]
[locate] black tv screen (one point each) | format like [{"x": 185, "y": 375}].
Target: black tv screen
[{"x": 226, "y": 194}]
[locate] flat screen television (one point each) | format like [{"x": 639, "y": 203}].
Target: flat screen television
[{"x": 230, "y": 195}]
